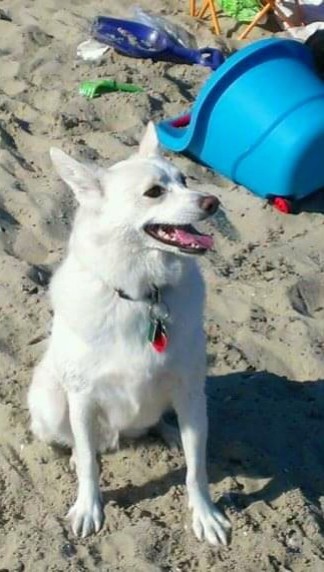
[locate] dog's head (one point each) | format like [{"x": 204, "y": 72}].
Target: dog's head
[{"x": 143, "y": 201}]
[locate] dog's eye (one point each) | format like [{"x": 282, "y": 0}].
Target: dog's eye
[{"x": 154, "y": 192}]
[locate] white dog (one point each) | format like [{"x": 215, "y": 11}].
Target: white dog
[{"x": 127, "y": 340}]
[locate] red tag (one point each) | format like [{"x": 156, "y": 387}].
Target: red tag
[{"x": 160, "y": 343}]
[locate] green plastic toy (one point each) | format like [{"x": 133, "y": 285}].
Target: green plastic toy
[
  {"x": 241, "y": 10},
  {"x": 93, "y": 89}
]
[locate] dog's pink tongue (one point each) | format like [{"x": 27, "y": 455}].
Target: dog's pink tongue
[{"x": 188, "y": 239}]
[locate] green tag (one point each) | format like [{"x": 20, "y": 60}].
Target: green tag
[{"x": 152, "y": 331}]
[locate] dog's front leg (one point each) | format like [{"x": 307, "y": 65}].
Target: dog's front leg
[
  {"x": 208, "y": 522},
  {"x": 86, "y": 514}
]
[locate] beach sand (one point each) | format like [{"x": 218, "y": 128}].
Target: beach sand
[{"x": 264, "y": 320}]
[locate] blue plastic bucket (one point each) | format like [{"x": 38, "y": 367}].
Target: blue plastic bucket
[{"x": 259, "y": 120}]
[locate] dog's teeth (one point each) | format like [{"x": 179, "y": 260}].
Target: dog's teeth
[
  {"x": 163, "y": 234},
  {"x": 167, "y": 233}
]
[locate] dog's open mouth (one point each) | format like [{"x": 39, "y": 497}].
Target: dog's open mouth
[{"x": 184, "y": 237}]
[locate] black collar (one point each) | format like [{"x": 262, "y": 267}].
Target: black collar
[{"x": 153, "y": 297}]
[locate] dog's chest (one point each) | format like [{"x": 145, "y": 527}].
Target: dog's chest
[
  {"x": 133, "y": 398},
  {"x": 103, "y": 346}
]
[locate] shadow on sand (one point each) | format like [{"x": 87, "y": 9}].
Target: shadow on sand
[{"x": 261, "y": 426}]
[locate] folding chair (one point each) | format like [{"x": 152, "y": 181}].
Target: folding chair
[
  {"x": 207, "y": 5},
  {"x": 271, "y": 5}
]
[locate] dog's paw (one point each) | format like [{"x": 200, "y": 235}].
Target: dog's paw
[
  {"x": 210, "y": 524},
  {"x": 86, "y": 516}
]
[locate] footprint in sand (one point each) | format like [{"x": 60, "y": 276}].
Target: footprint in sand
[{"x": 307, "y": 296}]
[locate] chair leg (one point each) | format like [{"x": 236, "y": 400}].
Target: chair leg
[
  {"x": 203, "y": 9},
  {"x": 215, "y": 18},
  {"x": 259, "y": 16},
  {"x": 210, "y": 4},
  {"x": 192, "y": 7}
]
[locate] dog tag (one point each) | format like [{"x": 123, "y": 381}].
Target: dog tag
[
  {"x": 159, "y": 311},
  {"x": 158, "y": 335}
]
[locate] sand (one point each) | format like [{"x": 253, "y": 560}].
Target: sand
[{"x": 264, "y": 320}]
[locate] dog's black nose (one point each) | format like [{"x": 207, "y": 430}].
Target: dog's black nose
[{"x": 209, "y": 204}]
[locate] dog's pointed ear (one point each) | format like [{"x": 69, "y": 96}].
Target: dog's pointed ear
[
  {"x": 82, "y": 179},
  {"x": 149, "y": 144}
]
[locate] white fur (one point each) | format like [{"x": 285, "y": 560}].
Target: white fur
[{"x": 100, "y": 375}]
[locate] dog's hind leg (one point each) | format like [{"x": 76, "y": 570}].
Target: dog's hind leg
[
  {"x": 169, "y": 432},
  {"x": 48, "y": 407}
]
